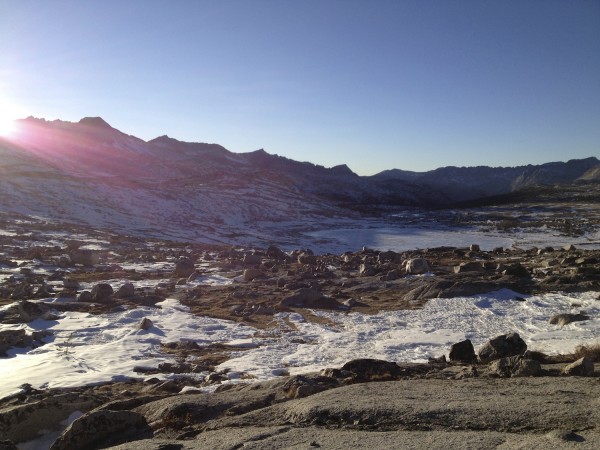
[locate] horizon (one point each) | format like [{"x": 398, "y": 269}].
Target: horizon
[
  {"x": 13, "y": 137},
  {"x": 407, "y": 85}
]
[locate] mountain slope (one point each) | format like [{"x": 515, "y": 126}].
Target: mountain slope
[{"x": 89, "y": 172}]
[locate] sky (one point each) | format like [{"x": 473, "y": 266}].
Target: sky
[{"x": 405, "y": 84}]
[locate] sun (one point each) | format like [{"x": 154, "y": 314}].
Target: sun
[{"x": 8, "y": 127}]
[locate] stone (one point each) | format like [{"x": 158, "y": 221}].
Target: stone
[
  {"x": 84, "y": 257},
  {"x": 368, "y": 369},
  {"x": 102, "y": 293},
  {"x": 85, "y": 296},
  {"x": 417, "y": 266},
  {"x": 526, "y": 368},
  {"x": 94, "y": 429},
  {"x": 252, "y": 260},
  {"x": 307, "y": 258},
  {"x": 463, "y": 351},
  {"x": 569, "y": 248},
  {"x": 310, "y": 298},
  {"x": 275, "y": 252},
  {"x": 366, "y": 270},
  {"x": 567, "y": 318},
  {"x": 24, "y": 312},
  {"x": 583, "y": 367},
  {"x": 251, "y": 274},
  {"x": 70, "y": 284},
  {"x": 502, "y": 346},
  {"x": 474, "y": 248},
  {"x": 516, "y": 270},
  {"x": 300, "y": 386},
  {"x": 472, "y": 266},
  {"x": 145, "y": 324},
  {"x": 390, "y": 275},
  {"x": 125, "y": 291},
  {"x": 184, "y": 267}
]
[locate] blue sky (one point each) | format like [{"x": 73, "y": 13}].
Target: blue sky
[{"x": 379, "y": 84}]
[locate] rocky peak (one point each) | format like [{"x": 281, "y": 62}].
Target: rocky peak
[{"x": 96, "y": 122}]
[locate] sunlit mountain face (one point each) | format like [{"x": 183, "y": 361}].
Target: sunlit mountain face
[{"x": 89, "y": 172}]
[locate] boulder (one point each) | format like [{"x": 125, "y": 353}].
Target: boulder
[
  {"x": 310, "y": 298},
  {"x": 251, "y": 274},
  {"x": 300, "y": 386},
  {"x": 97, "y": 428},
  {"x": 252, "y": 260},
  {"x": 514, "y": 366},
  {"x": 567, "y": 318},
  {"x": 474, "y": 248},
  {"x": 417, "y": 266},
  {"x": 125, "y": 291},
  {"x": 84, "y": 257},
  {"x": 366, "y": 270},
  {"x": 516, "y": 270},
  {"x": 583, "y": 367},
  {"x": 145, "y": 324},
  {"x": 85, "y": 296},
  {"x": 25, "y": 312},
  {"x": 368, "y": 369},
  {"x": 102, "y": 293},
  {"x": 471, "y": 266},
  {"x": 502, "y": 346},
  {"x": 184, "y": 267},
  {"x": 307, "y": 258},
  {"x": 463, "y": 351},
  {"x": 276, "y": 253}
]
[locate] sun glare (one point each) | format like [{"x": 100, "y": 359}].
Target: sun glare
[{"x": 8, "y": 126}]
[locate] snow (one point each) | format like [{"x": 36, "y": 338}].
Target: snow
[
  {"x": 90, "y": 349},
  {"x": 401, "y": 238}
]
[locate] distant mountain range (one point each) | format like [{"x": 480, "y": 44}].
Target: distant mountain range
[{"x": 88, "y": 172}]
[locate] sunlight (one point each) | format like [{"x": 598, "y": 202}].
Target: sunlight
[{"x": 8, "y": 126}]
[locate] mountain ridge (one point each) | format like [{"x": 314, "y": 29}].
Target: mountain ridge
[{"x": 90, "y": 172}]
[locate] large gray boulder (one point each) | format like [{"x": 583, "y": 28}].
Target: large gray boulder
[
  {"x": 417, "y": 266},
  {"x": 184, "y": 267},
  {"x": 102, "y": 293},
  {"x": 502, "y": 346},
  {"x": 463, "y": 351},
  {"x": 96, "y": 429}
]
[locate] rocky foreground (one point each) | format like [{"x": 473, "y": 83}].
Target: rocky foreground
[{"x": 501, "y": 396}]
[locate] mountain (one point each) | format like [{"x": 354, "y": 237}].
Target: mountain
[
  {"x": 468, "y": 183},
  {"x": 91, "y": 173}
]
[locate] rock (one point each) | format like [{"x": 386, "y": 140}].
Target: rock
[
  {"x": 145, "y": 324},
  {"x": 184, "y": 267},
  {"x": 252, "y": 260},
  {"x": 102, "y": 293},
  {"x": 97, "y": 428},
  {"x": 22, "y": 291},
  {"x": 569, "y": 248},
  {"x": 85, "y": 296},
  {"x": 463, "y": 351},
  {"x": 514, "y": 366},
  {"x": 306, "y": 258},
  {"x": 502, "y": 346},
  {"x": 372, "y": 369},
  {"x": 474, "y": 248},
  {"x": 310, "y": 298},
  {"x": 70, "y": 284},
  {"x": 472, "y": 266},
  {"x": 583, "y": 367},
  {"x": 24, "y": 312},
  {"x": 276, "y": 253},
  {"x": 526, "y": 368},
  {"x": 125, "y": 291},
  {"x": 300, "y": 386},
  {"x": 84, "y": 257},
  {"x": 366, "y": 270},
  {"x": 251, "y": 274},
  {"x": 564, "y": 319},
  {"x": 417, "y": 266},
  {"x": 516, "y": 270},
  {"x": 391, "y": 275}
]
